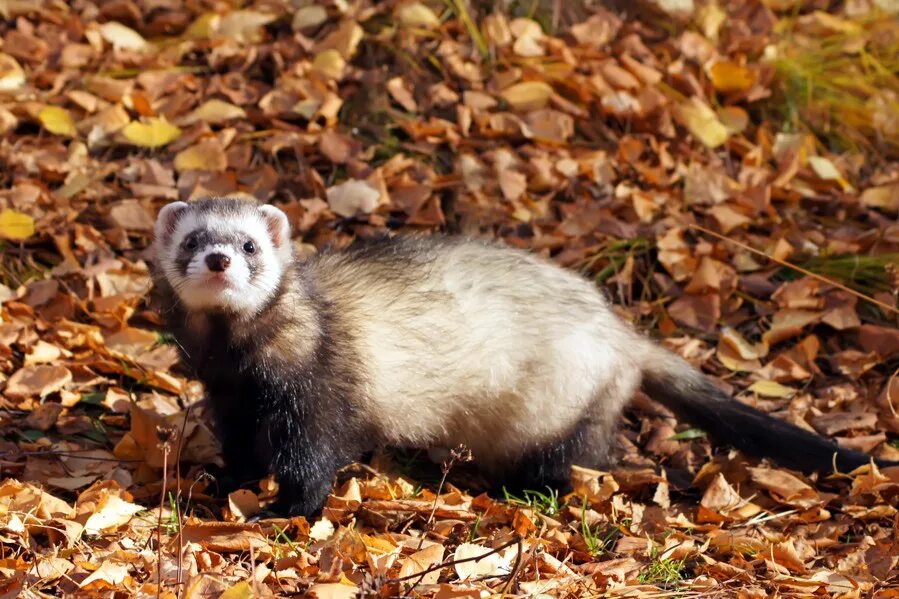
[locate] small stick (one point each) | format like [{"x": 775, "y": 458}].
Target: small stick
[
  {"x": 178, "y": 494},
  {"x": 165, "y": 457},
  {"x": 447, "y": 564},
  {"x": 461, "y": 453}
]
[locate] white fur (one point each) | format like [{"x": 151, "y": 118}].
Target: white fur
[{"x": 242, "y": 297}]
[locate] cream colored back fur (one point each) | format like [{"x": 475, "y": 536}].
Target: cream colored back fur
[{"x": 482, "y": 345}]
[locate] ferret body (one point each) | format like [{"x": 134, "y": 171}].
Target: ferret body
[{"x": 425, "y": 342}]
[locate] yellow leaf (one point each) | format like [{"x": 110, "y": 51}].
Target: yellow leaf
[
  {"x": 156, "y": 132},
  {"x": 11, "y": 74},
  {"x": 241, "y": 590},
  {"x": 826, "y": 170},
  {"x": 57, "y": 120},
  {"x": 527, "y": 95},
  {"x": 205, "y": 156},
  {"x": 329, "y": 63},
  {"x": 15, "y": 225},
  {"x": 214, "y": 111},
  {"x": 702, "y": 122},
  {"x": 771, "y": 389},
  {"x": 731, "y": 77},
  {"x": 203, "y": 26}
]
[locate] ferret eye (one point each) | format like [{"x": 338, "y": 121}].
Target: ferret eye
[
  {"x": 249, "y": 247},
  {"x": 191, "y": 244}
]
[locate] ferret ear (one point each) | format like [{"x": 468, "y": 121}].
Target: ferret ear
[
  {"x": 278, "y": 225},
  {"x": 167, "y": 218}
]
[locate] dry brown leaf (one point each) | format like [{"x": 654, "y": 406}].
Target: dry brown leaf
[
  {"x": 352, "y": 197},
  {"x": 110, "y": 574},
  {"x": 39, "y": 381},
  {"x": 785, "y": 487},
  {"x": 243, "y": 504}
]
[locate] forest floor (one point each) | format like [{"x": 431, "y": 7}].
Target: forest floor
[{"x": 728, "y": 174}]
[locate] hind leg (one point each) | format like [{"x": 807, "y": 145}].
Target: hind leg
[{"x": 589, "y": 445}]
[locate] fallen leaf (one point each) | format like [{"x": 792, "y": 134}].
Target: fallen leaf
[
  {"x": 402, "y": 93},
  {"x": 352, "y": 197},
  {"x": 15, "y": 226},
  {"x": 243, "y": 503},
  {"x": 241, "y": 590},
  {"x": 785, "y": 487},
  {"x": 122, "y": 37},
  {"x": 329, "y": 63},
  {"x": 111, "y": 513},
  {"x": 423, "y": 560},
  {"x": 214, "y": 112},
  {"x": 208, "y": 155},
  {"x": 309, "y": 17},
  {"x": 788, "y": 323},
  {"x": 49, "y": 569},
  {"x": 154, "y": 133},
  {"x": 702, "y": 122},
  {"x": 333, "y": 590},
  {"x": 110, "y": 574},
  {"x": 528, "y": 95},
  {"x": 131, "y": 341},
  {"x": 772, "y": 389},
  {"x": 225, "y": 537},
  {"x": 416, "y": 14},
  {"x": 57, "y": 120},
  {"x": 491, "y": 564},
  {"x": 731, "y": 77},
  {"x": 44, "y": 416},
  {"x": 37, "y": 381},
  {"x": 885, "y": 197},
  {"x": 243, "y": 25},
  {"x": 11, "y": 74},
  {"x": 321, "y": 530}
]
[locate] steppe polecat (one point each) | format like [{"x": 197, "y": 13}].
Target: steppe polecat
[{"x": 426, "y": 342}]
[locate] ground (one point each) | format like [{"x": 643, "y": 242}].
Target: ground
[{"x": 726, "y": 171}]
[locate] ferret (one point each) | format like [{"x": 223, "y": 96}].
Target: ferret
[{"x": 419, "y": 342}]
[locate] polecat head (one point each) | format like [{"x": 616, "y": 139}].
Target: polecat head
[{"x": 223, "y": 255}]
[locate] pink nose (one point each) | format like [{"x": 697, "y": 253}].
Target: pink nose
[{"x": 218, "y": 262}]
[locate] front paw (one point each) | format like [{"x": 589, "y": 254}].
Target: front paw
[{"x": 287, "y": 507}]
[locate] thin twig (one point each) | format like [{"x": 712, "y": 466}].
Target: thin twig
[
  {"x": 792, "y": 266},
  {"x": 510, "y": 584},
  {"x": 178, "y": 494},
  {"x": 449, "y": 563},
  {"x": 461, "y": 454},
  {"x": 889, "y": 392},
  {"x": 165, "y": 464}
]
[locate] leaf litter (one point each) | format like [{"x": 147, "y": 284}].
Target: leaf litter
[{"x": 726, "y": 171}]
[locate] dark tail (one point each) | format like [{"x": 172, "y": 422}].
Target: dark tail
[{"x": 691, "y": 396}]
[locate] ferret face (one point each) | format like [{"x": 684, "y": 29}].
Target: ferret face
[{"x": 222, "y": 255}]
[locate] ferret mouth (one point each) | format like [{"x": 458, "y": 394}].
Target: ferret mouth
[{"x": 219, "y": 280}]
